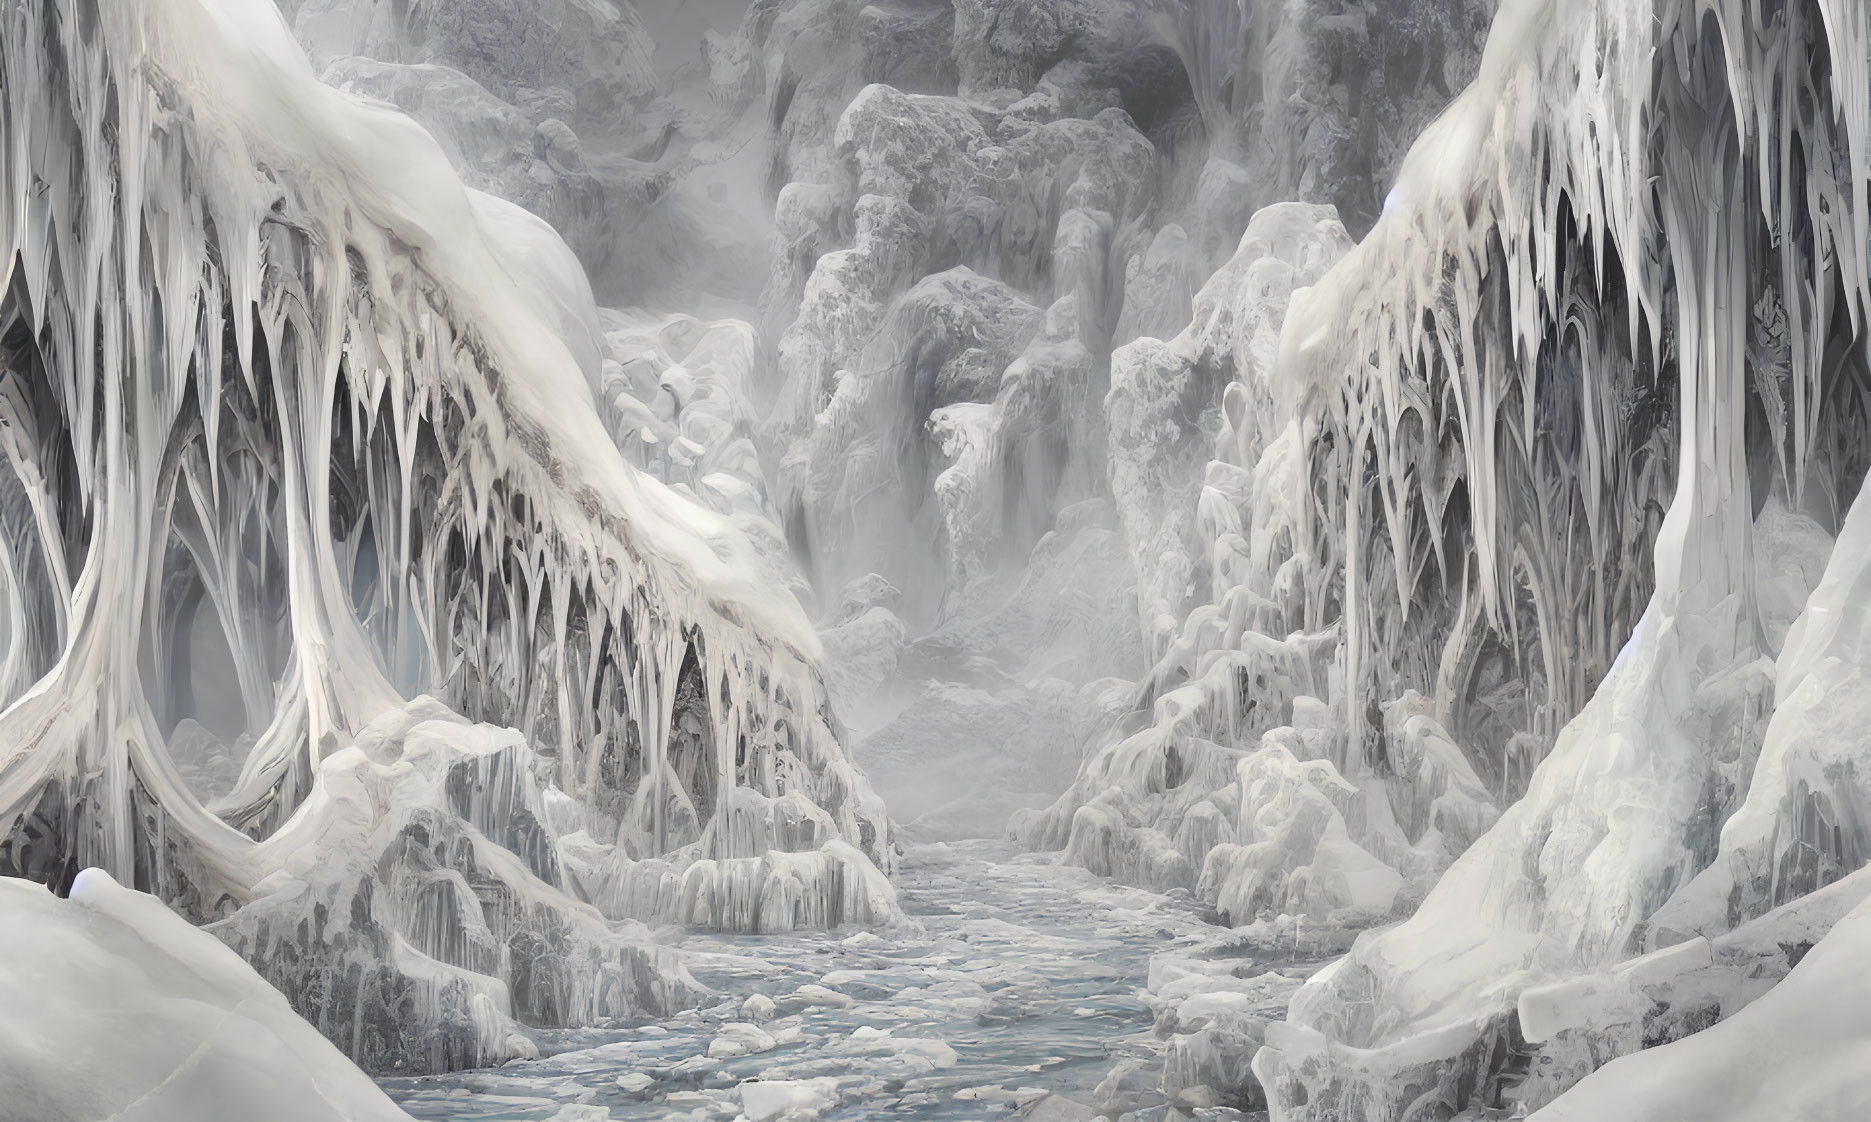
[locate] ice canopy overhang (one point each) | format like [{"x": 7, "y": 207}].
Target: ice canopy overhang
[
  {"x": 1674, "y": 188},
  {"x": 268, "y": 362}
]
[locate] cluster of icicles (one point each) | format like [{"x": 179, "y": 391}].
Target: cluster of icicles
[
  {"x": 1502, "y": 379},
  {"x": 264, "y": 356},
  {"x": 1514, "y": 447},
  {"x": 1615, "y": 305}
]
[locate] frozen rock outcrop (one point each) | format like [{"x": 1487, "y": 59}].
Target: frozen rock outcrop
[
  {"x": 427, "y": 861},
  {"x": 1098, "y": 159},
  {"x": 1163, "y": 412}
]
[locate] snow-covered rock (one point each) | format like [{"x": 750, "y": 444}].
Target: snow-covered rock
[
  {"x": 1797, "y": 1052},
  {"x": 119, "y": 1008}
]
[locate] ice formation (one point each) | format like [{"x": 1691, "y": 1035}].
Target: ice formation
[
  {"x": 1509, "y": 518},
  {"x": 1601, "y": 205},
  {"x": 977, "y": 206},
  {"x": 1429, "y": 537},
  {"x": 562, "y": 106},
  {"x": 1796, "y": 1052},
  {"x": 276, "y": 381}
]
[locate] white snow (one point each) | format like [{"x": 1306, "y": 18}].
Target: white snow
[
  {"x": 116, "y": 1007},
  {"x": 1801, "y": 1051}
]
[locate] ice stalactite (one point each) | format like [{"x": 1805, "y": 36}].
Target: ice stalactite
[
  {"x": 1094, "y": 161},
  {"x": 1631, "y": 201},
  {"x": 273, "y": 374},
  {"x": 1241, "y": 782}
]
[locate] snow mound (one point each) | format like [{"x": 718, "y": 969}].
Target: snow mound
[{"x": 119, "y": 1008}]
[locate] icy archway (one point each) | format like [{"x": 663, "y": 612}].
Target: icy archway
[{"x": 266, "y": 358}]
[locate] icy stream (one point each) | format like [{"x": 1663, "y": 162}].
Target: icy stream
[{"x": 1023, "y": 991}]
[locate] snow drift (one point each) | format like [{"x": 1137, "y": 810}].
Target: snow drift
[{"x": 117, "y": 1008}]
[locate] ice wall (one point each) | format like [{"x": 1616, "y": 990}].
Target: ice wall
[
  {"x": 274, "y": 380},
  {"x": 1632, "y": 205}
]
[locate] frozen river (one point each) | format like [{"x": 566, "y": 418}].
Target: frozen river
[{"x": 1018, "y": 991}]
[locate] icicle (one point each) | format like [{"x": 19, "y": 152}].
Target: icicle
[{"x": 177, "y": 164}]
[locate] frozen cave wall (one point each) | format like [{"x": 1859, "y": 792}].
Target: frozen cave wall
[
  {"x": 288, "y": 410},
  {"x": 1581, "y": 418}
]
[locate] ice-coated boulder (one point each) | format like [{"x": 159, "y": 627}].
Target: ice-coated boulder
[
  {"x": 1295, "y": 855},
  {"x": 763, "y": 1100}
]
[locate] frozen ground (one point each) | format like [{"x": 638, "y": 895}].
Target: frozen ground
[{"x": 1020, "y": 989}]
